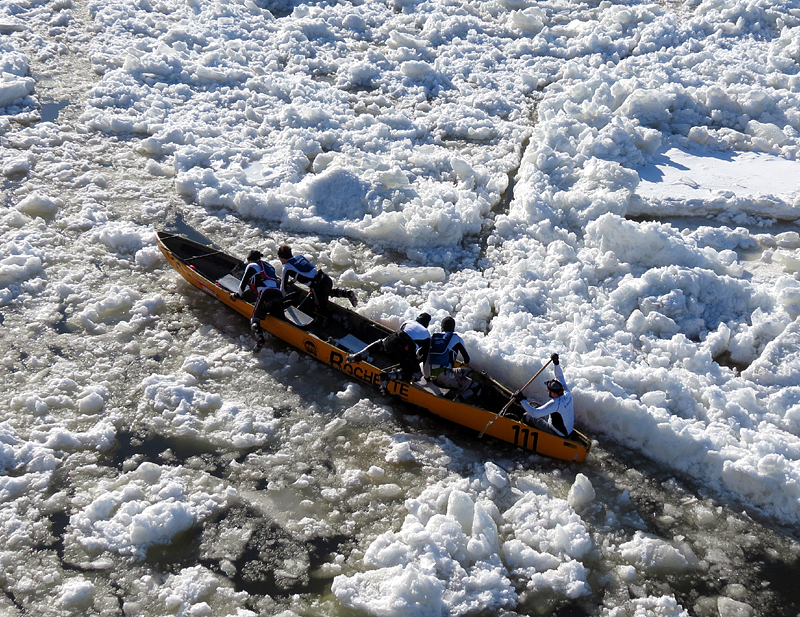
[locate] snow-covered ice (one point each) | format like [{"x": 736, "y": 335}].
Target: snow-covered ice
[{"x": 617, "y": 183}]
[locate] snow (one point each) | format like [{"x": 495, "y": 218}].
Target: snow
[
  {"x": 616, "y": 183},
  {"x": 437, "y": 564},
  {"x": 146, "y": 506},
  {"x": 740, "y": 173},
  {"x": 38, "y": 205},
  {"x": 581, "y": 492},
  {"x": 76, "y": 591}
]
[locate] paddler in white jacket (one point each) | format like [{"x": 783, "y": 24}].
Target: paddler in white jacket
[{"x": 557, "y": 415}]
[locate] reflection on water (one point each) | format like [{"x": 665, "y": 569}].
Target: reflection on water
[{"x": 50, "y": 111}]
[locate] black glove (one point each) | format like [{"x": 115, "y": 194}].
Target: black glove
[
  {"x": 554, "y": 358},
  {"x": 517, "y": 397}
]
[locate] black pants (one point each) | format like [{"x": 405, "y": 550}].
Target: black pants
[
  {"x": 322, "y": 289},
  {"x": 401, "y": 350},
  {"x": 268, "y": 302}
]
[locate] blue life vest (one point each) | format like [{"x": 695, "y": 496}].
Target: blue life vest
[
  {"x": 304, "y": 268},
  {"x": 440, "y": 353}
]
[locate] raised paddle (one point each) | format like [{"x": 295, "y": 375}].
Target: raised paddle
[{"x": 511, "y": 400}]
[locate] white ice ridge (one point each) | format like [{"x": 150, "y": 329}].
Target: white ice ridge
[
  {"x": 450, "y": 556},
  {"x": 142, "y": 508}
]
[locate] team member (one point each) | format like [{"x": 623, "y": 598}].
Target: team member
[
  {"x": 260, "y": 278},
  {"x": 557, "y": 415},
  {"x": 407, "y": 346},
  {"x": 446, "y": 346},
  {"x": 298, "y": 268}
]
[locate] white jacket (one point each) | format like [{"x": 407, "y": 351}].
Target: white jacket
[{"x": 561, "y": 405}]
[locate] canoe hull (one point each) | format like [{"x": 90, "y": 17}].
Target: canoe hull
[{"x": 329, "y": 351}]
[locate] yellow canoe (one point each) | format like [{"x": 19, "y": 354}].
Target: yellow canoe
[{"x": 331, "y": 338}]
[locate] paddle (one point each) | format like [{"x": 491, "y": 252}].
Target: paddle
[
  {"x": 511, "y": 400},
  {"x": 203, "y": 256}
]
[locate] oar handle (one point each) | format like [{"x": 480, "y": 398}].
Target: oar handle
[{"x": 511, "y": 400}]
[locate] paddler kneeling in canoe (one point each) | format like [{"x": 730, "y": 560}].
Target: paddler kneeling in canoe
[{"x": 260, "y": 278}]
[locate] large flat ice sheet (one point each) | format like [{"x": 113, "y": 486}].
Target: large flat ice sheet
[{"x": 680, "y": 174}]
